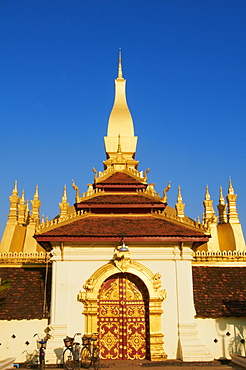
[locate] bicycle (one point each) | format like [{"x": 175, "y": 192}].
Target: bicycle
[
  {"x": 41, "y": 348},
  {"x": 71, "y": 355},
  {"x": 90, "y": 351}
]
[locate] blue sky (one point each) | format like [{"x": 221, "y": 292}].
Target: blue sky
[{"x": 184, "y": 62}]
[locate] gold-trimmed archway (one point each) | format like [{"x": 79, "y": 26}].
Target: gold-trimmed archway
[{"x": 89, "y": 297}]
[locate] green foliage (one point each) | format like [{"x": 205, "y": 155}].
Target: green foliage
[{"x": 4, "y": 284}]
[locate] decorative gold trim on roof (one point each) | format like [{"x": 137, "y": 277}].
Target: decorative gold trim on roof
[
  {"x": 219, "y": 256},
  {"x": 52, "y": 224},
  {"x": 20, "y": 258},
  {"x": 132, "y": 172},
  {"x": 57, "y": 222},
  {"x": 185, "y": 221}
]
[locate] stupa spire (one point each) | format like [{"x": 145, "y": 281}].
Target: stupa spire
[{"x": 120, "y": 123}]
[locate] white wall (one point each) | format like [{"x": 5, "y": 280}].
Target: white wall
[
  {"x": 211, "y": 329},
  {"x": 23, "y": 331}
]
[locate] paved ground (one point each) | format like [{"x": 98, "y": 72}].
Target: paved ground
[{"x": 166, "y": 365}]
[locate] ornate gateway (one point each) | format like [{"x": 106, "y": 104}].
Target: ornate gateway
[
  {"x": 123, "y": 323},
  {"x": 122, "y": 300}
]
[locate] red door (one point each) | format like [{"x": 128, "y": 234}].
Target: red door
[{"x": 123, "y": 318}]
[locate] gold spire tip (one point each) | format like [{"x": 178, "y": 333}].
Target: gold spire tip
[{"x": 120, "y": 64}]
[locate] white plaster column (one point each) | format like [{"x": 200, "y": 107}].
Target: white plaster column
[
  {"x": 190, "y": 347},
  {"x": 59, "y": 308}
]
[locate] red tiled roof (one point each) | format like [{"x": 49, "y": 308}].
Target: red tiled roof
[
  {"x": 121, "y": 199},
  {"x": 121, "y": 178},
  {"x": 25, "y": 298},
  {"x": 128, "y": 226},
  {"x": 219, "y": 291}
]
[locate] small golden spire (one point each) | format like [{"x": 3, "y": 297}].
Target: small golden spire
[
  {"x": 209, "y": 214},
  {"x": 64, "y": 204},
  {"x": 232, "y": 216},
  {"x": 120, "y": 64},
  {"x": 35, "y": 207},
  {"x": 120, "y": 161},
  {"x": 222, "y": 208},
  {"x": 207, "y": 195},
  {"x": 36, "y": 193},
  {"x": 64, "y": 197},
  {"x": 22, "y": 210},
  {"x": 179, "y": 205},
  {"x": 230, "y": 189},
  {"x": 179, "y": 199},
  {"x": 14, "y": 200}
]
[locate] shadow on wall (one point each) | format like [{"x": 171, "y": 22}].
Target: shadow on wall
[
  {"x": 235, "y": 330},
  {"x": 237, "y": 342},
  {"x": 31, "y": 357},
  {"x": 58, "y": 353}
]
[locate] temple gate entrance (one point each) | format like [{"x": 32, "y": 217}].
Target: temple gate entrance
[{"x": 123, "y": 318}]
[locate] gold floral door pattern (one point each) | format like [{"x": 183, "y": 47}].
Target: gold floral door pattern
[{"x": 123, "y": 318}]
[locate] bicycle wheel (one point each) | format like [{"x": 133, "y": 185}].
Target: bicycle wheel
[
  {"x": 85, "y": 357},
  {"x": 96, "y": 359},
  {"x": 76, "y": 356},
  {"x": 68, "y": 362}
]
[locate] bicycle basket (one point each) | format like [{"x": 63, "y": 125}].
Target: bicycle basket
[
  {"x": 85, "y": 340},
  {"x": 41, "y": 343},
  {"x": 68, "y": 341},
  {"x": 94, "y": 337}
]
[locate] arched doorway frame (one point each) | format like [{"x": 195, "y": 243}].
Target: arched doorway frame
[{"x": 156, "y": 296}]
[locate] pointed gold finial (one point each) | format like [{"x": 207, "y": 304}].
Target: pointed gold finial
[
  {"x": 230, "y": 189},
  {"x": 221, "y": 200},
  {"x": 22, "y": 210},
  {"x": 64, "y": 204},
  {"x": 120, "y": 65},
  {"x": 64, "y": 197},
  {"x": 36, "y": 193},
  {"x": 35, "y": 207},
  {"x": 222, "y": 208},
  {"x": 120, "y": 162},
  {"x": 209, "y": 214},
  {"x": 179, "y": 205},
  {"x": 14, "y": 200},
  {"x": 207, "y": 195},
  {"x": 232, "y": 216},
  {"x": 179, "y": 199}
]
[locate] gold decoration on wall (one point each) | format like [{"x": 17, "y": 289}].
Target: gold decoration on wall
[
  {"x": 152, "y": 281},
  {"x": 122, "y": 257}
]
